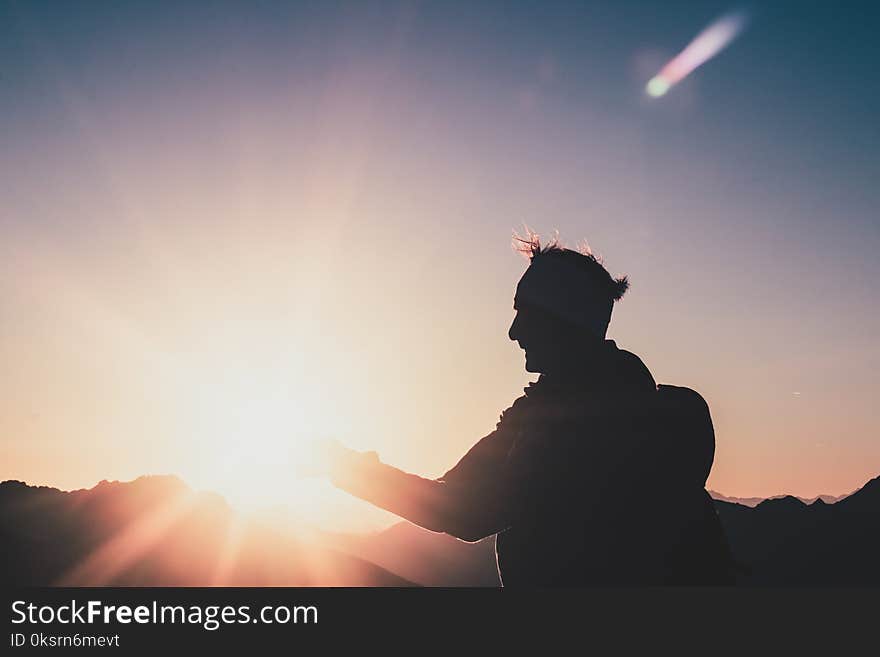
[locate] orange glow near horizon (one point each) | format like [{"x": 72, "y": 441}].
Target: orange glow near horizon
[{"x": 226, "y": 385}]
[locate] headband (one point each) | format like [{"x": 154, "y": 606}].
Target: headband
[{"x": 567, "y": 291}]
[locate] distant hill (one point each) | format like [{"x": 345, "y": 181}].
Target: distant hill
[
  {"x": 155, "y": 531},
  {"x": 786, "y": 542},
  {"x": 755, "y": 501}
]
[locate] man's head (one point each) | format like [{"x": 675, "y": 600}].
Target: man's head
[{"x": 563, "y": 306}]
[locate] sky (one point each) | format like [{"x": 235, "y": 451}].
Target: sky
[{"x": 231, "y": 227}]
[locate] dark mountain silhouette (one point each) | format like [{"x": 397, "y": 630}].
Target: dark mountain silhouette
[
  {"x": 784, "y": 541},
  {"x": 155, "y": 531},
  {"x": 755, "y": 501}
]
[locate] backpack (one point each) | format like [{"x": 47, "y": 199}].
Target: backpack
[{"x": 697, "y": 551}]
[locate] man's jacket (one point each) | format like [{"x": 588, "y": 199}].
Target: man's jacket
[{"x": 593, "y": 480}]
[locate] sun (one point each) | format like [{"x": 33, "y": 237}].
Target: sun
[{"x": 252, "y": 435}]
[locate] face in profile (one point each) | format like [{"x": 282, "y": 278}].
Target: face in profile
[{"x": 550, "y": 343}]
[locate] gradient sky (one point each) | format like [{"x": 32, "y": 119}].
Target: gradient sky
[{"x": 228, "y": 226}]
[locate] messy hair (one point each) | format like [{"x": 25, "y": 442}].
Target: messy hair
[{"x": 530, "y": 246}]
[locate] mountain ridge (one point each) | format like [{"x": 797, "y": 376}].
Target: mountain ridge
[
  {"x": 755, "y": 501},
  {"x": 783, "y": 541},
  {"x": 156, "y": 531}
]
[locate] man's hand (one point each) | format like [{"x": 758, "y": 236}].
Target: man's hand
[{"x": 325, "y": 456}]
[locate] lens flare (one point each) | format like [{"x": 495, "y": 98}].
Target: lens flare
[{"x": 704, "y": 47}]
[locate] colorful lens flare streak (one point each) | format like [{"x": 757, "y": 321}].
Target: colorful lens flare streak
[{"x": 704, "y": 47}]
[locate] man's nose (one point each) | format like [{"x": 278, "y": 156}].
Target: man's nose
[{"x": 513, "y": 331}]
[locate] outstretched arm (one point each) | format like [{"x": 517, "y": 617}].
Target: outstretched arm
[
  {"x": 467, "y": 510},
  {"x": 470, "y": 501}
]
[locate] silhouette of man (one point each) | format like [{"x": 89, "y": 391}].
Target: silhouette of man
[{"x": 595, "y": 476}]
